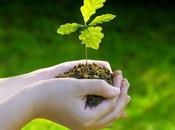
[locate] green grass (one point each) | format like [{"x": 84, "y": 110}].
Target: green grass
[{"x": 141, "y": 45}]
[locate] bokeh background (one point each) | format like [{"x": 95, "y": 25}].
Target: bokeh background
[{"x": 140, "y": 41}]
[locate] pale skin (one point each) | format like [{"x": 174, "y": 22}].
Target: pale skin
[{"x": 39, "y": 95}]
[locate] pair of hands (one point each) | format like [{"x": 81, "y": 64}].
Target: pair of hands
[{"x": 63, "y": 100}]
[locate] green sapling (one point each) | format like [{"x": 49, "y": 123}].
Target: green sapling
[{"x": 90, "y": 34}]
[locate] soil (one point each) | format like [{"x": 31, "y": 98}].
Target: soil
[{"x": 89, "y": 71}]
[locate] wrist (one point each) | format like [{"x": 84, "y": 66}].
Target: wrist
[
  {"x": 10, "y": 86},
  {"x": 15, "y": 81},
  {"x": 17, "y": 109},
  {"x": 33, "y": 96},
  {"x": 45, "y": 105}
]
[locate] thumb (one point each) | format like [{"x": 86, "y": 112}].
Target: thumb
[{"x": 99, "y": 88}]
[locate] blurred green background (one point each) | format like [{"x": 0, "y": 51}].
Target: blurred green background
[{"x": 140, "y": 42}]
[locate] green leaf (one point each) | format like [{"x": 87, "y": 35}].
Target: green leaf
[
  {"x": 68, "y": 28},
  {"x": 89, "y": 8},
  {"x": 102, "y": 19},
  {"x": 91, "y": 36}
]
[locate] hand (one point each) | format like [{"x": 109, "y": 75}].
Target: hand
[
  {"x": 63, "y": 101},
  {"x": 122, "y": 100},
  {"x": 12, "y": 85},
  {"x": 51, "y": 72},
  {"x": 71, "y": 112}
]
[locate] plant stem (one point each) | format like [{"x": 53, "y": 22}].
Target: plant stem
[
  {"x": 86, "y": 59},
  {"x": 86, "y": 54}
]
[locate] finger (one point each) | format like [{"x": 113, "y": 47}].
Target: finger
[
  {"x": 123, "y": 97},
  {"x": 117, "y": 72},
  {"x": 101, "y": 110},
  {"x": 117, "y": 80},
  {"x": 120, "y": 105},
  {"x": 97, "y": 87},
  {"x": 109, "y": 119},
  {"x": 123, "y": 114},
  {"x": 107, "y": 125},
  {"x": 52, "y": 71}
]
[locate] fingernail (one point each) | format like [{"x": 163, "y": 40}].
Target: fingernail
[{"x": 118, "y": 72}]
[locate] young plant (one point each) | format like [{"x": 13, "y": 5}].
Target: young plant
[
  {"x": 90, "y": 32},
  {"x": 90, "y": 35}
]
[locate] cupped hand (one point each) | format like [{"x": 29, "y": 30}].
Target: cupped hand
[
  {"x": 51, "y": 72},
  {"x": 64, "y": 100},
  {"x": 122, "y": 101},
  {"x": 14, "y": 84}
]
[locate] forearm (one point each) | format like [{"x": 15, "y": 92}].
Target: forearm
[
  {"x": 11, "y": 85},
  {"x": 16, "y": 111},
  {"x": 17, "y": 81}
]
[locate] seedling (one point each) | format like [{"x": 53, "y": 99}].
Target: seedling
[
  {"x": 90, "y": 32},
  {"x": 90, "y": 35}
]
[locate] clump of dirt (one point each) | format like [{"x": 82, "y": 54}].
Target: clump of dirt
[{"x": 89, "y": 71}]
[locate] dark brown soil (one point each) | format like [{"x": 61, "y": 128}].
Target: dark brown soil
[{"x": 90, "y": 71}]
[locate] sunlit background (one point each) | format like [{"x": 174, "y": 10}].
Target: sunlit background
[{"x": 140, "y": 41}]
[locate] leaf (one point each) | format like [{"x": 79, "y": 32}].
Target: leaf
[
  {"x": 102, "y": 19},
  {"x": 68, "y": 28},
  {"x": 91, "y": 37},
  {"x": 89, "y": 8}
]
